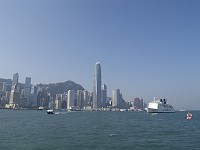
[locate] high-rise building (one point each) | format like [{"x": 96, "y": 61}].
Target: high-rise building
[
  {"x": 104, "y": 96},
  {"x": 15, "y": 81},
  {"x": 27, "y": 88},
  {"x": 14, "y": 98},
  {"x": 138, "y": 103},
  {"x": 80, "y": 99},
  {"x": 86, "y": 98},
  {"x": 117, "y": 100},
  {"x": 58, "y": 104},
  {"x": 115, "y": 97},
  {"x": 97, "y": 86},
  {"x": 33, "y": 99},
  {"x": 70, "y": 99},
  {"x": 42, "y": 98},
  {"x": 4, "y": 86}
]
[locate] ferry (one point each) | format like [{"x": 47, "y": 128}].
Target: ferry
[
  {"x": 50, "y": 111},
  {"x": 160, "y": 106}
]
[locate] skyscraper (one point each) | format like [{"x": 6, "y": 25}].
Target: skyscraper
[
  {"x": 33, "y": 99},
  {"x": 104, "y": 96},
  {"x": 115, "y": 98},
  {"x": 27, "y": 88},
  {"x": 14, "y": 98},
  {"x": 80, "y": 99},
  {"x": 15, "y": 79},
  {"x": 70, "y": 99},
  {"x": 138, "y": 103},
  {"x": 97, "y": 86},
  {"x": 4, "y": 86},
  {"x": 86, "y": 98}
]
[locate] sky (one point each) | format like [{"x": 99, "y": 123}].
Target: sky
[{"x": 146, "y": 48}]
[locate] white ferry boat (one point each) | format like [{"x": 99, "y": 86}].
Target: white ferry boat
[
  {"x": 50, "y": 111},
  {"x": 160, "y": 106}
]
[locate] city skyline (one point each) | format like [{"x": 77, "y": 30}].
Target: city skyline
[{"x": 146, "y": 48}]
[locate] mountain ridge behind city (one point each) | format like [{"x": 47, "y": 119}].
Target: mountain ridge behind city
[{"x": 53, "y": 88}]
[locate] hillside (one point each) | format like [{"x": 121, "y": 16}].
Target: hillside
[
  {"x": 59, "y": 88},
  {"x": 53, "y": 88}
]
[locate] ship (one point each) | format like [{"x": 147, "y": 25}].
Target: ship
[
  {"x": 50, "y": 111},
  {"x": 160, "y": 106}
]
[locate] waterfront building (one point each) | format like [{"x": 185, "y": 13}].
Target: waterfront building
[
  {"x": 60, "y": 101},
  {"x": 80, "y": 99},
  {"x": 27, "y": 87},
  {"x": 70, "y": 99},
  {"x": 35, "y": 93},
  {"x": 117, "y": 100},
  {"x": 14, "y": 98},
  {"x": 138, "y": 103},
  {"x": 90, "y": 99},
  {"x": 64, "y": 101},
  {"x": 104, "y": 96},
  {"x": 43, "y": 99},
  {"x": 24, "y": 102},
  {"x": 97, "y": 86},
  {"x": 33, "y": 97},
  {"x": 86, "y": 98},
  {"x": 58, "y": 104}
]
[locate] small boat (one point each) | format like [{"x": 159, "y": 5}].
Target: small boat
[
  {"x": 41, "y": 108},
  {"x": 50, "y": 111},
  {"x": 189, "y": 116}
]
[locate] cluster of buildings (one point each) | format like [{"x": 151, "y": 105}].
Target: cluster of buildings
[
  {"x": 17, "y": 95},
  {"x": 26, "y": 95}
]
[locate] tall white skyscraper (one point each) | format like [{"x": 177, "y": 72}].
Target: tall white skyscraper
[
  {"x": 97, "y": 86},
  {"x": 70, "y": 99},
  {"x": 27, "y": 88},
  {"x": 116, "y": 98}
]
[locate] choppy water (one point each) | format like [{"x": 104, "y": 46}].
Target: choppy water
[{"x": 34, "y": 130}]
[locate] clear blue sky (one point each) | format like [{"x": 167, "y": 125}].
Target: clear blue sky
[{"x": 146, "y": 48}]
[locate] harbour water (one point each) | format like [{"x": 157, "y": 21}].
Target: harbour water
[{"x": 35, "y": 130}]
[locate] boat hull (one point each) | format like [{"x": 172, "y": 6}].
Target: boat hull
[{"x": 149, "y": 110}]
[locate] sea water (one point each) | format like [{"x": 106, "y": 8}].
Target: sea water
[{"x": 35, "y": 130}]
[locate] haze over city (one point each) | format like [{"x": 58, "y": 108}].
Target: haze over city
[{"x": 146, "y": 48}]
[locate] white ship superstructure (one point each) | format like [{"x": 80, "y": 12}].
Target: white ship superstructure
[{"x": 160, "y": 106}]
